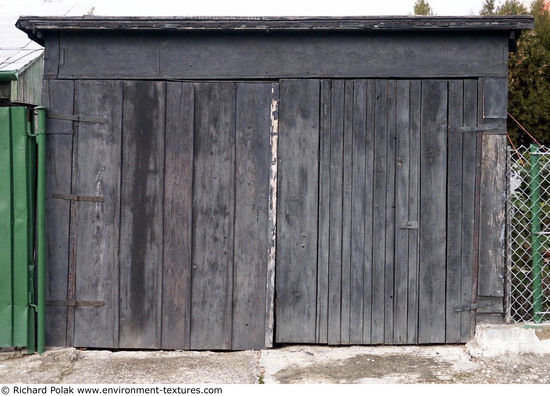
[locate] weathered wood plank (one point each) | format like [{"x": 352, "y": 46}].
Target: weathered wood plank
[
  {"x": 433, "y": 174},
  {"x": 115, "y": 51},
  {"x": 454, "y": 210},
  {"x": 346, "y": 211},
  {"x": 252, "y": 166},
  {"x": 141, "y": 214},
  {"x": 335, "y": 212},
  {"x": 469, "y": 161},
  {"x": 389, "y": 269},
  {"x": 51, "y": 55},
  {"x": 297, "y": 213},
  {"x": 97, "y": 236},
  {"x": 31, "y": 24},
  {"x": 240, "y": 55},
  {"x": 213, "y": 216},
  {"x": 402, "y": 219},
  {"x": 58, "y": 96},
  {"x": 358, "y": 202},
  {"x": 379, "y": 215},
  {"x": 178, "y": 201},
  {"x": 370, "y": 178},
  {"x": 273, "y": 161},
  {"x": 495, "y": 97},
  {"x": 323, "y": 213},
  {"x": 492, "y": 216},
  {"x": 414, "y": 209}
]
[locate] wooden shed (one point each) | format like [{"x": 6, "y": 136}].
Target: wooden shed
[{"x": 237, "y": 183}]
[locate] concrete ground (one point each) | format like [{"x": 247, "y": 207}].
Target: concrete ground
[{"x": 499, "y": 355}]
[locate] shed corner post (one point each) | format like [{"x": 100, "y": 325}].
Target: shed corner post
[{"x": 41, "y": 227}]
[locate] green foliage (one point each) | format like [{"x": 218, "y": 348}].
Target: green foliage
[
  {"x": 508, "y": 7},
  {"x": 422, "y": 7},
  {"x": 488, "y": 8},
  {"x": 542, "y": 22},
  {"x": 529, "y": 90},
  {"x": 511, "y": 7}
]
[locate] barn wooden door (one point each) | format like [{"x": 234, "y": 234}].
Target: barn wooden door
[
  {"x": 375, "y": 241},
  {"x": 158, "y": 214}
]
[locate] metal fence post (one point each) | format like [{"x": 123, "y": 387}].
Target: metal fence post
[{"x": 536, "y": 256}]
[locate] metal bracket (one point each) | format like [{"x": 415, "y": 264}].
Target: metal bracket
[
  {"x": 410, "y": 225},
  {"x": 73, "y": 197},
  {"x": 474, "y": 306},
  {"x": 77, "y": 118},
  {"x": 76, "y": 303},
  {"x": 479, "y": 128}
]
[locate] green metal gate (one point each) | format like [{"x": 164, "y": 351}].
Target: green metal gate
[{"x": 20, "y": 306}]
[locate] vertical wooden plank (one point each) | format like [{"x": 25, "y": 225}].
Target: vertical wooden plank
[
  {"x": 454, "y": 211},
  {"x": 324, "y": 219},
  {"x": 252, "y": 167},
  {"x": 357, "y": 211},
  {"x": 98, "y": 175},
  {"x": 273, "y": 161},
  {"x": 178, "y": 205},
  {"x": 492, "y": 189},
  {"x": 433, "y": 175},
  {"x": 213, "y": 216},
  {"x": 73, "y": 233},
  {"x": 379, "y": 215},
  {"x": 141, "y": 227},
  {"x": 495, "y": 98},
  {"x": 335, "y": 212},
  {"x": 51, "y": 57},
  {"x": 403, "y": 225},
  {"x": 390, "y": 215},
  {"x": 469, "y": 161},
  {"x": 298, "y": 211},
  {"x": 347, "y": 164},
  {"x": 492, "y": 216},
  {"x": 414, "y": 212},
  {"x": 370, "y": 178},
  {"x": 58, "y": 96}
]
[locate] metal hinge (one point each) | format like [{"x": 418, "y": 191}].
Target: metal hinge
[
  {"x": 76, "y": 303},
  {"x": 474, "y": 306},
  {"x": 410, "y": 225},
  {"x": 481, "y": 128},
  {"x": 73, "y": 197},
  {"x": 77, "y": 118}
]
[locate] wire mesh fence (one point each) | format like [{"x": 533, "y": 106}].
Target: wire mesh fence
[{"x": 528, "y": 235}]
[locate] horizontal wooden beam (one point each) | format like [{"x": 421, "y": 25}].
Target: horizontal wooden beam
[
  {"x": 33, "y": 24},
  {"x": 275, "y": 55}
]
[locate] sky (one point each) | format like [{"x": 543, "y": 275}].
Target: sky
[
  {"x": 12, "y": 38},
  {"x": 234, "y": 7}
]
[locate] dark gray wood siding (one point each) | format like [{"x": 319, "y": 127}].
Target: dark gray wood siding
[
  {"x": 259, "y": 55},
  {"x": 377, "y": 199},
  {"x": 388, "y": 184},
  {"x": 158, "y": 214}
]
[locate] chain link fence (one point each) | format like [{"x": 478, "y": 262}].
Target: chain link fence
[{"x": 528, "y": 235}]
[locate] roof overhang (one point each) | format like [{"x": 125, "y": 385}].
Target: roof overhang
[{"x": 36, "y": 27}]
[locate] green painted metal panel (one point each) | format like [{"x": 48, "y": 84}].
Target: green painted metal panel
[
  {"x": 21, "y": 240},
  {"x": 6, "y": 324},
  {"x": 17, "y": 217}
]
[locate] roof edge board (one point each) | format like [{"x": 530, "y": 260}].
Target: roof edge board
[{"x": 34, "y": 26}]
